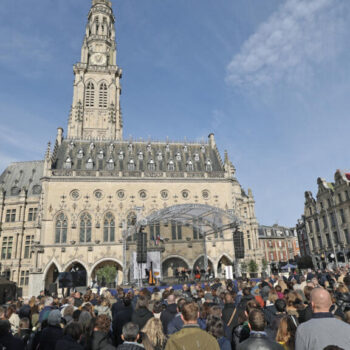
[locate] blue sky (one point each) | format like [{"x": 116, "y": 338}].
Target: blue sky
[{"x": 270, "y": 78}]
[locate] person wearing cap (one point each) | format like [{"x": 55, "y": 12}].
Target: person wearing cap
[{"x": 52, "y": 333}]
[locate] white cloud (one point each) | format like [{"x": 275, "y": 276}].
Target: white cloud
[{"x": 285, "y": 48}]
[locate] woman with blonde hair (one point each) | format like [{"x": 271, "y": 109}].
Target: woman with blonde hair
[
  {"x": 153, "y": 337},
  {"x": 286, "y": 332}
]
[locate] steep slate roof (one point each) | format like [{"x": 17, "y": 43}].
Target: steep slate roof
[
  {"x": 121, "y": 152},
  {"x": 22, "y": 174}
]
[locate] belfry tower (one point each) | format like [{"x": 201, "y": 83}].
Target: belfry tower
[{"x": 95, "y": 112}]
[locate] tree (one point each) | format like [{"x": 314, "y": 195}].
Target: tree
[
  {"x": 244, "y": 266},
  {"x": 106, "y": 275},
  {"x": 253, "y": 266},
  {"x": 264, "y": 265}
]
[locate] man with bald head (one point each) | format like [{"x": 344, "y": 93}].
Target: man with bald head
[
  {"x": 169, "y": 313},
  {"x": 323, "y": 329}
]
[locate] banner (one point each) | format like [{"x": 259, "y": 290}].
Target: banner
[{"x": 138, "y": 269}]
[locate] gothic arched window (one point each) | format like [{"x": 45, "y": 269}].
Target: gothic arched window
[
  {"x": 102, "y": 101},
  {"x": 109, "y": 228},
  {"x": 61, "y": 229},
  {"x": 85, "y": 228},
  {"x": 90, "y": 95}
]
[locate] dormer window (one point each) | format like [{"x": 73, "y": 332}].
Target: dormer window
[
  {"x": 189, "y": 165},
  {"x": 151, "y": 165},
  {"x": 208, "y": 166},
  {"x": 185, "y": 148},
  {"x": 140, "y": 155},
  {"x": 68, "y": 163},
  {"x": 178, "y": 156},
  {"x": 130, "y": 147},
  {"x": 149, "y": 148},
  {"x": 111, "y": 147},
  {"x": 167, "y": 148},
  {"x": 71, "y": 145},
  {"x": 159, "y": 156},
  {"x": 196, "y": 157},
  {"x": 100, "y": 154},
  {"x": 89, "y": 164},
  {"x": 92, "y": 146},
  {"x": 110, "y": 164},
  {"x": 121, "y": 155},
  {"x": 80, "y": 154},
  {"x": 131, "y": 165},
  {"x": 202, "y": 149},
  {"x": 171, "y": 165}
]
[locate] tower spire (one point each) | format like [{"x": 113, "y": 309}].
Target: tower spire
[{"x": 96, "y": 96}]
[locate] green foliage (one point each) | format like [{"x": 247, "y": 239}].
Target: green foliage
[
  {"x": 264, "y": 265},
  {"x": 244, "y": 266},
  {"x": 108, "y": 273},
  {"x": 253, "y": 266}
]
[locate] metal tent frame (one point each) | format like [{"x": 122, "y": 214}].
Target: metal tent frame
[{"x": 207, "y": 219}]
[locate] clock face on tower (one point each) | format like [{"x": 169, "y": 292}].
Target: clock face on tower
[{"x": 98, "y": 59}]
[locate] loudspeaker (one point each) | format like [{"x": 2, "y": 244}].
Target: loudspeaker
[
  {"x": 238, "y": 241},
  {"x": 52, "y": 288},
  {"x": 141, "y": 247},
  {"x": 65, "y": 280}
]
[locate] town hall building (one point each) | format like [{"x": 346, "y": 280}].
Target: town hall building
[{"x": 71, "y": 209}]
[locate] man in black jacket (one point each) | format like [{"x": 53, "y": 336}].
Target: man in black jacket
[
  {"x": 169, "y": 313},
  {"x": 141, "y": 314},
  {"x": 258, "y": 338},
  {"x": 228, "y": 311}
]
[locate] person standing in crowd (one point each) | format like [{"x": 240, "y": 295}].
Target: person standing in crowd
[
  {"x": 24, "y": 331},
  {"x": 130, "y": 336},
  {"x": 7, "y": 340},
  {"x": 141, "y": 314},
  {"x": 52, "y": 333},
  {"x": 153, "y": 337},
  {"x": 71, "y": 336},
  {"x": 286, "y": 332},
  {"x": 176, "y": 323},
  {"x": 169, "y": 313},
  {"x": 216, "y": 327},
  {"x": 191, "y": 337},
  {"x": 100, "y": 338},
  {"x": 120, "y": 318},
  {"x": 258, "y": 338},
  {"x": 323, "y": 329}
]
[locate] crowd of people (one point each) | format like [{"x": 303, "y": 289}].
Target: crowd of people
[{"x": 309, "y": 310}]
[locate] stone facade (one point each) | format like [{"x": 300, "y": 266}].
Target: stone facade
[
  {"x": 327, "y": 221},
  {"x": 71, "y": 209},
  {"x": 279, "y": 244}
]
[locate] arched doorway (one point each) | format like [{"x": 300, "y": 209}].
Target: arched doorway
[
  {"x": 79, "y": 274},
  {"x": 171, "y": 265},
  {"x": 51, "y": 275},
  {"x": 107, "y": 273},
  {"x": 200, "y": 262},
  {"x": 223, "y": 262}
]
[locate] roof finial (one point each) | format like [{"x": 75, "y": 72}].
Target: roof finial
[{"x": 48, "y": 150}]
